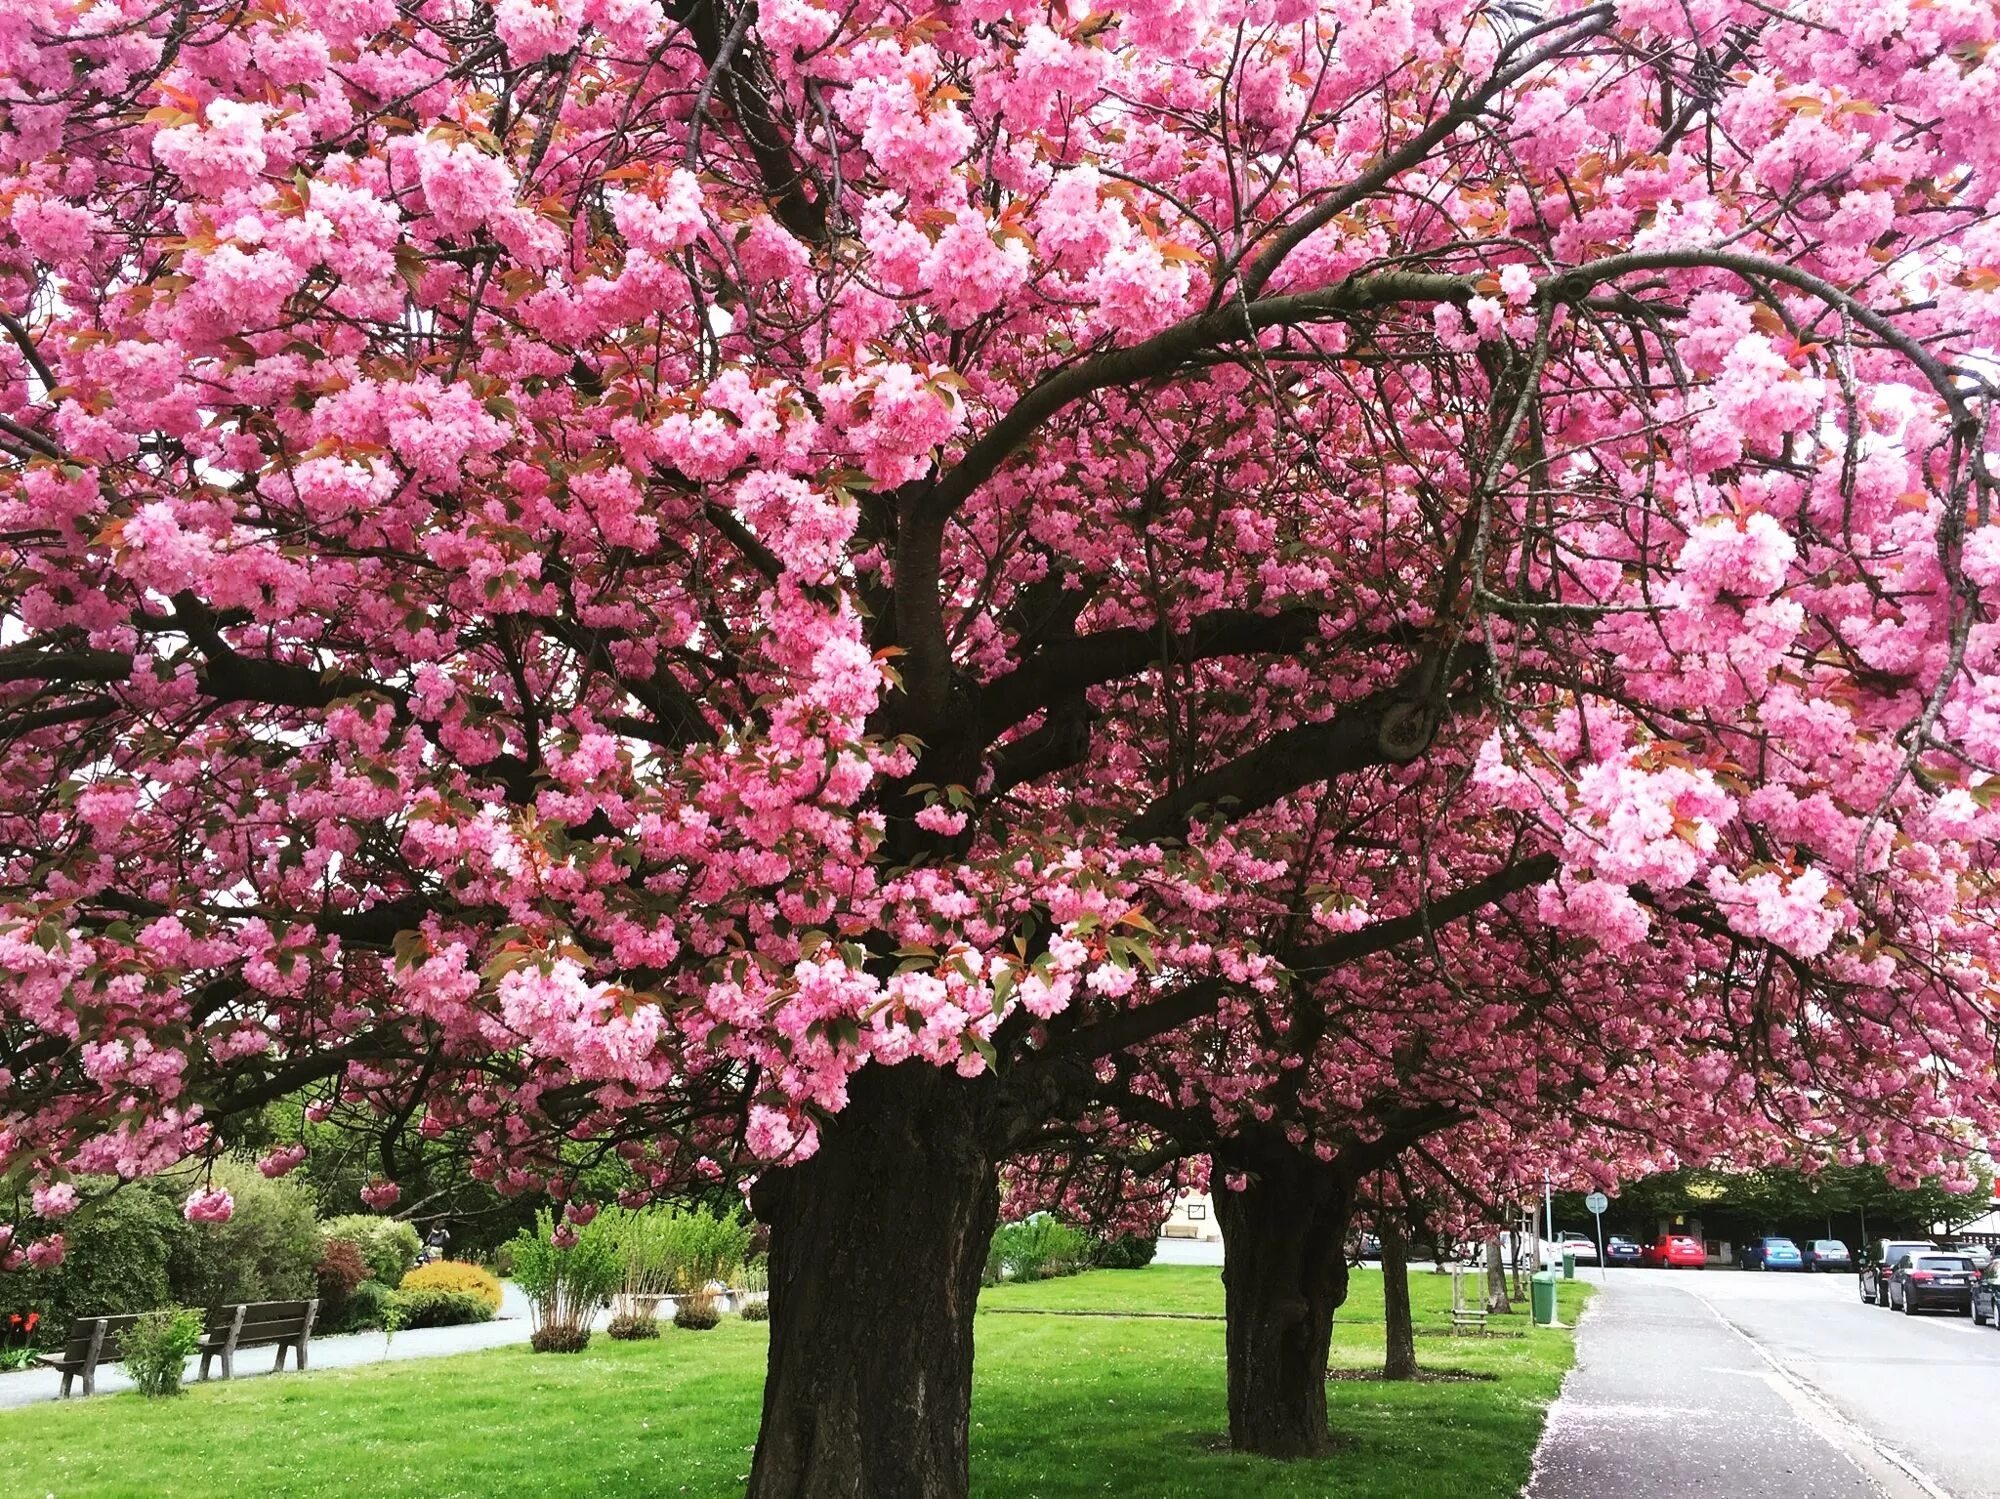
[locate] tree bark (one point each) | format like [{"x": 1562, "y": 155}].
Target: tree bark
[
  {"x": 877, "y": 1243},
  {"x": 1399, "y": 1361},
  {"x": 1284, "y": 1275},
  {"x": 1496, "y": 1277}
]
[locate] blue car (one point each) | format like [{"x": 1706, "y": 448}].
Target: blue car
[
  {"x": 1770, "y": 1254},
  {"x": 1619, "y": 1250}
]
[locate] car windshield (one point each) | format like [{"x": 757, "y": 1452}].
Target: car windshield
[
  {"x": 1685, "y": 1244},
  {"x": 1944, "y": 1262},
  {"x": 1780, "y": 1244},
  {"x": 1829, "y": 1246}
]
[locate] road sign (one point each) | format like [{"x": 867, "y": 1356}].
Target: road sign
[{"x": 1597, "y": 1202}]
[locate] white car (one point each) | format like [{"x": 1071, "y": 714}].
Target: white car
[{"x": 1569, "y": 1242}]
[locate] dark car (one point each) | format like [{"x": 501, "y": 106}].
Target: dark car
[
  {"x": 1923, "y": 1281},
  {"x": 1827, "y": 1254},
  {"x": 1770, "y": 1254},
  {"x": 1619, "y": 1250},
  {"x": 1879, "y": 1259},
  {"x": 1986, "y": 1296}
]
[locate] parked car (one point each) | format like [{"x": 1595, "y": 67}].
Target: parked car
[
  {"x": 1827, "y": 1254},
  {"x": 1922, "y": 1281},
  {"x": 1677, "y": 1251},
  {"x": 1979, "y": 1254},
  {"x": 1770, "y": 1254},
  {"x": 1986, "y": 1295},
  {"x": 1369, "y": 1247},
  {"x": 1878, "y": 1261},
  {"x": 1619, "y": 1250},
  {"x": 1569, "y": 1241}
]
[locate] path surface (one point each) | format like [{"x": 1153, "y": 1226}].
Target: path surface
[
  {"x": 1751, "y": 1386},
  {"x": 344, "y": 1351}
]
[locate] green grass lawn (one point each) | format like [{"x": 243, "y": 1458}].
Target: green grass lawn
[{"x": 1064, "y": 1407}]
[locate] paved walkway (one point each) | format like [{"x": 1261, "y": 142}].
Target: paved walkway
[
  {"x": 340, "y": 1352},
  {"x": 1668, "y": 1399}
]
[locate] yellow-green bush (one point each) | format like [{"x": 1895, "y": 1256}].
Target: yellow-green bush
[{"x": 454, "y": 1275}]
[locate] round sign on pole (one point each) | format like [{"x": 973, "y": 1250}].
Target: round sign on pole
[{"x": 1596, "y": 1202}]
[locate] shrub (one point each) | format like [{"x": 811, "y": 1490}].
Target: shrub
[
  {"x": 455, "y": 1275},
  {"x": 122, "y": 1250},
  {"x": 340, "y": 1270},
  {"x": 633, "y": 1327},
  {"x": 156, "y": 1348},
  {"x": 389, "y": 1245},
  {"x": 426, "y": 1306},
  {"x": 566, "y": 1284},
  {"x": 1038, "y": 1248},
  {"x": 757, "y": 1273},
  {"x": 756, "y": 1311},
  {"x": 269, "y": 1250},
  {"x": 503, "y": 1261},
  {"x": 1127, "y": 1252},
  {"x": 365, "y": 1308},
  {"x": 671, "y": 1251},
  {"x": 696, "y": 1312}
]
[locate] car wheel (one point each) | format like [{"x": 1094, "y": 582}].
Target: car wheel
[
  {"x": 1882, "y": 1296},
  {"x": 1977, "y": 1319},
  {"x": 1909, "y": 1306}
]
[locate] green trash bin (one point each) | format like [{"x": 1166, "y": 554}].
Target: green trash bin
[
  {"x": 1569, "y": 1264},
  {"x": 1542, "y": 1296}
]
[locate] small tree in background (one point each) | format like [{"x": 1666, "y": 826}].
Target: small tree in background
[{"x": 567, "y": 1272}]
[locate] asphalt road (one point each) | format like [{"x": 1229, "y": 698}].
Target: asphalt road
[{"x": 1741, "y": 1386}]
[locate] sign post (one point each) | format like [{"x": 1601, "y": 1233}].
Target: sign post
[{"x": 1597, "y": 1202}]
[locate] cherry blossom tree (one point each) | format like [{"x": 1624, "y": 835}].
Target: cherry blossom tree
[{"x": 776, "y": 588}]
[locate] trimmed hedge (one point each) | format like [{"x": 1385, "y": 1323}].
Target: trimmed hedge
[
  {"x": 433, "y": 1308},
  {"x": 455, "y": 1275}
]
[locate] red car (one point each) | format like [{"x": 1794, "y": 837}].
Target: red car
[{"x": 1677, "y": 1251}]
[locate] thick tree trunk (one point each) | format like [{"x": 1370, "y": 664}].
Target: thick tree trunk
[
  {"x": 877, "y": 1243},
  {"x": 1399, "y": 1360},
  {"x": 1284, "y": 1275}
]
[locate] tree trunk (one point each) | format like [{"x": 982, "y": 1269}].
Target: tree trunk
[
  {"x": 1400, "y": 1359},
  {"x": 1496, "y": 1278},
  {"x": 877, "y": 1243},
  {"x": 1284, "y": 1275}
]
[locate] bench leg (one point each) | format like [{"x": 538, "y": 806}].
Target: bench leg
[
  {"x": 67, "y": 1377},
  {"x": 89, "y": 1382},
  {"x": 279, "y": 1366},
  {"x": 229, "y": 1362},
  {"x": 302, "y": 1351},
  {"x": 204, "y": 1366}
]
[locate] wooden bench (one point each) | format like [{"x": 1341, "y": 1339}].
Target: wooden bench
[
  {"x": 91, "y": 1341},
  {"x": 258, "y": 1324}
]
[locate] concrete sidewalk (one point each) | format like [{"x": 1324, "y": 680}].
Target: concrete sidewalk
[{"x": 1667, "y": 1399}]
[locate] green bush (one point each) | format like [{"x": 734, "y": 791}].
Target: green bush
[
  {"x": 365, "y": 1308},
  {"x": 388, "y": 1245},
  {"x": 269, "y": 1250},
  {"x": 1038, "y": 1248},
  {"x": 566, "y": 1284},
  {"x": 156, "y": 1348},
  {"x": 121, "y": 1252},
  {"x": 756, "y": 1311},
  {"x": 425, "y": 1306},
  {"x": 672, "y": 1250},
  {"x": 1127, "y": 1252}
]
